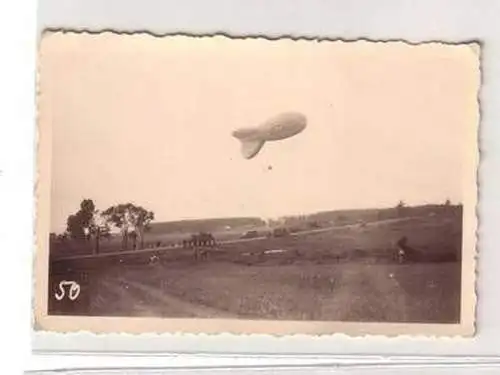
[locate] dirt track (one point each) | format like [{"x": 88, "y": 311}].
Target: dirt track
[{"x": 150, "y": 301}]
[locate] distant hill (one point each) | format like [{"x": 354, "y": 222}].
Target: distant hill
[
  {"x": 206, "y": 225},
  {"x": 330, "y": 217},
  {"x": 372, "y": 214}
]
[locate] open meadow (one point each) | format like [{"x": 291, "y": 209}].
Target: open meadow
[{"x": 350, "y": 272}]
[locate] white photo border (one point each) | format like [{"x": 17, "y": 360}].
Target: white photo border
[{"x": 383, "y": 20}]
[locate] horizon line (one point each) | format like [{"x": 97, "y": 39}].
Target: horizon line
[{"x": 278, "y": 217}]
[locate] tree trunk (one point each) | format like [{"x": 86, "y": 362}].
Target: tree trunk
[
  {"x": 97, "y": 237},
  {"x": 141, "y": 236},
  {"x": 124, "y": 239}
]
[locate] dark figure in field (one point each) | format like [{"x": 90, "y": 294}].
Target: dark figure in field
[
  {"x": 406, "y": 252},
  {"x": 206, "y": 239},
  {"x": 200, "y": 242}
]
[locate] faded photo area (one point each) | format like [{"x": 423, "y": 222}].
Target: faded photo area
[{"x": 257, "y": 180}]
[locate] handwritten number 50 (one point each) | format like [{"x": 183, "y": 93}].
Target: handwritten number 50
[{"x": 74, "y": 290}]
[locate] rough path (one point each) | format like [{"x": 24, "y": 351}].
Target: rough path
[{"x": 139, "y": 299}]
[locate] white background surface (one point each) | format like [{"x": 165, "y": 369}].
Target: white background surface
[{"x": 404, "y": 19}]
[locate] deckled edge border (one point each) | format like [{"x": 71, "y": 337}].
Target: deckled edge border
[{"x": 469, "y": 331}]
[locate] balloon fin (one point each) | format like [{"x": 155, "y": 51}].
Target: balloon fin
[
  {"x": 251, "y": 148},
  {"x": 245, "y": 133}
]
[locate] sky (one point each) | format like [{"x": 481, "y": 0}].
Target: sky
[{"x": 148, "y": 120}]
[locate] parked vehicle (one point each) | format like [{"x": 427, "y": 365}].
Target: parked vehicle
[{"x": 250, "y": 234}]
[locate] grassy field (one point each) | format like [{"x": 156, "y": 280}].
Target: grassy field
[{"x": 343, "y": 273}]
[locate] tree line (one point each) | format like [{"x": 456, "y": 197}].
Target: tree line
[{"x": 89, "y": 224}]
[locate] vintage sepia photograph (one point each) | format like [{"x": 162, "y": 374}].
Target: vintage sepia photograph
[{"x": 211, "y": 184}]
